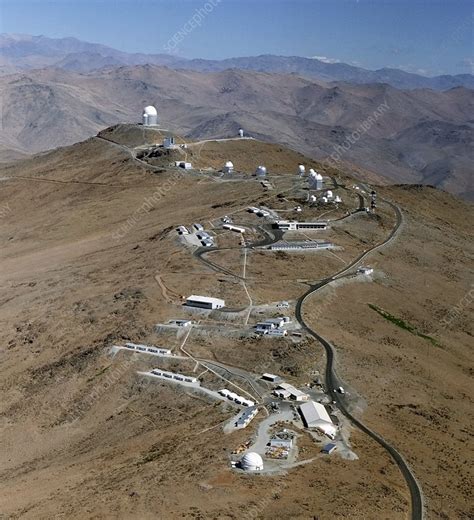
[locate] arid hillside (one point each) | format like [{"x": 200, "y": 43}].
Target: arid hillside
[{"x": 90, "y": 258}]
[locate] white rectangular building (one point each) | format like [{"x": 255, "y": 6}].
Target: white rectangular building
[
  {"x": 230, "y": 227},
  {"x": 246, "y": 417},
  {"x": 271, "y": 377},
  {"x": 204, "y": 302},
  {"x": 183, "y": 164},
  {"x": 287, "y": 225},
  {"x": 315, "y": 415}
]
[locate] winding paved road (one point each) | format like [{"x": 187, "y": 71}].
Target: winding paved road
[{"x": 333, "y": 381}]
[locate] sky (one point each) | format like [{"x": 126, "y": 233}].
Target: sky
[{"x": 424, "y": 36}]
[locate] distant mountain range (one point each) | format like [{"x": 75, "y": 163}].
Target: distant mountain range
[
  {"x": 25, "y": 52},
  {"x": 419, "y": 136}
]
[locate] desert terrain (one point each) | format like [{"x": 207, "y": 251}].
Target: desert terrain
[{"x": 87, "y": 264}]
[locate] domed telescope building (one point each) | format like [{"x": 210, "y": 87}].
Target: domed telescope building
[
  {"x": 228, "y": 167},
  {"x": 251, "y": 462},
  {"x": 150, "y": 116}
]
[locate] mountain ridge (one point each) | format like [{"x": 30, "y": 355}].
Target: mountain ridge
[
  {"x": 53, "y": 107},
  {"x": 27, "y": 52}
]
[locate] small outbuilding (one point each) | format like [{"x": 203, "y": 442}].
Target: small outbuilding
[{"x": 329, "y": 448}]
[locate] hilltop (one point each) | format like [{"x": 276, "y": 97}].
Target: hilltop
[{"x": 87, "y": 264}]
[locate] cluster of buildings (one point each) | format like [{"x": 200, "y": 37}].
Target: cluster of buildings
[
  {"x": 286, "y": 391},
  {"x": 203, "y": 236},
  {"x": 273, "y": 326}
]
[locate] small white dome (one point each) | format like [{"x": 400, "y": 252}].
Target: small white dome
[
  {"x": 252, "y": 462},
  {"x": 312, "y": 173},
  {"x": 301, "y": 168},
  {"x": 319, "y": 177},
  {"x": 261, "y": 170},
  {"x": 229, "y": 164},
  {"x": 150, "y": 111},
  {"x": 329, "y": 194}
]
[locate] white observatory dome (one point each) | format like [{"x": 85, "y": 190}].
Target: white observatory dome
[
  {"x": 251, "y": 462},
  {"x": 301, "y": 169},
  {"x": 228, "y": 167},
  {"x": 261, "y": 171},
  {"x": 329, "y": 194},
  {"x": 150, "y": 111},
  {"x": 319, "y": 177},
  {"x": 312, "y": 172},
  {"x": 150, "y": 116}
]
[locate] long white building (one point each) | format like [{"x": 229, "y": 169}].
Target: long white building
[
  {"x": 293, "y": 225},
  {"x": 204, "y": 302}
]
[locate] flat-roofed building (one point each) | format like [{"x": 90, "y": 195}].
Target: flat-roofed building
[
  {"x": 315, "y": 415},
  {"x": 287, "y": 225},
  {"x": 271, "y": 377},
  {"x": 204, "y": 302},
  {"x": 287, "y": 391}
]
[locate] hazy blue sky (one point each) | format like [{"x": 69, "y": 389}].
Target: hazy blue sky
[{"x": 424, "y": 36}]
